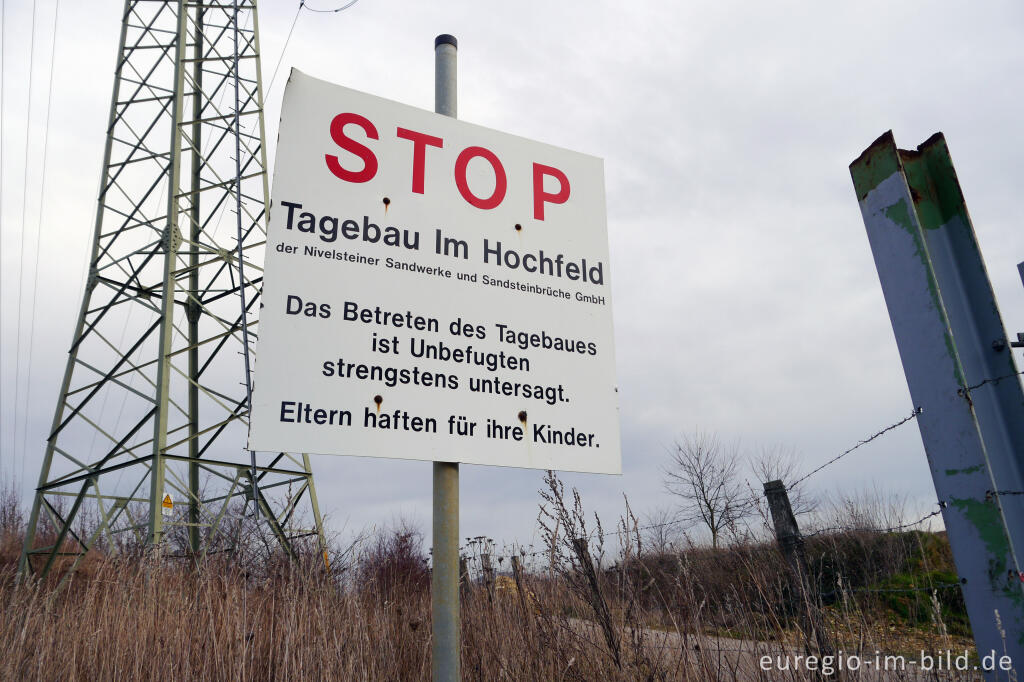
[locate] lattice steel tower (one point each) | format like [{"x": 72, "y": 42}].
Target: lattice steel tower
[{"x": 154, "y": 401}]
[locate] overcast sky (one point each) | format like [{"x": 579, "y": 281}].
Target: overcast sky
[{"x": 746, "y": 301}]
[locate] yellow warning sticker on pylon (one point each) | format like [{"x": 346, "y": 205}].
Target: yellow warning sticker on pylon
[{"x": 168, "y": 504}]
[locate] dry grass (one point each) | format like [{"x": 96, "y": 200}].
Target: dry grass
[{"x": 696, "y": 614}]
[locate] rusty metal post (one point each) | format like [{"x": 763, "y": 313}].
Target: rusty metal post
[
  {"x": 960, "y": 373},
  {"x": 444, "y": 582},
  {"x": 792, "y": 545}
]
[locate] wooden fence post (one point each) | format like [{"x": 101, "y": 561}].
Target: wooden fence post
[
  {"x": 463, "y": 575},
  {"x": 517, "y": 575},
  {"x": 488, "y": 570},
  {"x": 581, "y": 547},
  {"x": 792, "y": 545}
]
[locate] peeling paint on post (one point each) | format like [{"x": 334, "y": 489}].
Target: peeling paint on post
[{"x": 948, "y": 330}]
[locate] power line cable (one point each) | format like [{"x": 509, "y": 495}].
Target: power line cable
[
  {"x": 24, "y": 207},
  {"x": 303, "y": 4},
  {"x": 284, "y": 48},
  {"x": 39, "y": 231},
  {"x": 273, "y": 78},
  {"x": 3, "y": 118},
  {"x": 266, "y": 95}
]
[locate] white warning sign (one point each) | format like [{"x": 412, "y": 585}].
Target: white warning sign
[{"x": 433, "y": 290}]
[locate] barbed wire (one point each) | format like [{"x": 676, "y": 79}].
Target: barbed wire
[
  {"x": 800, "y": 480},
  {"x": 831, "y": 593},
  {"x": 963, "y": 391},
  {"x": 913, "y": 415},
  {"x": 898, "y": 528},
  {"x": 637, "y": 529},
  {"x": 989, "y": 494},
  {"x": 821, "y": 531},
  {"x": 867, "y": 529},
  {"x": 940, "y": 586},
  {"x": 932, "y": 589},
  {"x": 832, "y": 529},
  {"x": 884, "y": 590}
]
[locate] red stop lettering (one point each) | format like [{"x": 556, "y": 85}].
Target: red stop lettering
[
  {"x": 419, "y": 154},
  {"x": 348, "y": 144},
  {"x": 540, "y": 197},
  {"x": 500, "y": 183}
]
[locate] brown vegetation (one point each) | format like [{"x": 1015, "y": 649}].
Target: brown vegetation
[{"x": 604, "y": 608}]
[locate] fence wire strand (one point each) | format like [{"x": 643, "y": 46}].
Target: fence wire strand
[
  {"x": 913, "y": 415},
  {"x": 995, "y": 380},
  {"x": 989, "y": 495},
  {"x": 867, "y": 529}
]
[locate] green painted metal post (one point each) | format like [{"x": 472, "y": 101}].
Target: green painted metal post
[
  {"x": 444, "y": 581},
  {"x": 192, "y": 309},
  {"x": 960, "y": 372},
  {"x": 165, "y": 346}
]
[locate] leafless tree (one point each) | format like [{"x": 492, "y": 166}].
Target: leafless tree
[{"x": 705, "y": 476}]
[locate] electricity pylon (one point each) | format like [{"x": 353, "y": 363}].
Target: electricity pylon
[{"x": 148, "y": 436}]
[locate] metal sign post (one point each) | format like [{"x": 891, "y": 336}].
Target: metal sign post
[
  {"x": 444, "y": 580},
  {"x": 433, "y": 290}
]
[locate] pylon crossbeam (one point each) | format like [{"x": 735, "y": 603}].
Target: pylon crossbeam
[{"x": 116, "y": 380}]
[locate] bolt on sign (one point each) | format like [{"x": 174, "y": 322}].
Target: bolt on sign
[{"x": 433, "y": 290}]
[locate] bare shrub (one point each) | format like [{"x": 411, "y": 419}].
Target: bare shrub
[
  {"x": 866, "y": 509},
  {"x": 661, "y": 529},
  {"x": 12, "y": 529},
  {"x": 705, "y": 476},
  {"x": 395, "y": 563},
  {"x": 685, "y": 613}
]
